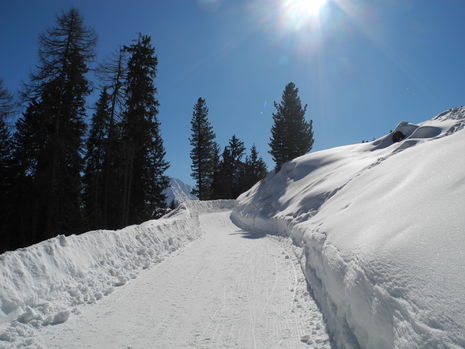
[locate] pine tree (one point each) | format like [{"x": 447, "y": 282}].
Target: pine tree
[
  {"x": 231, "y": 169},
  {"x": 96, "y": 154},
  {"x": 6, "y": 170},
  {"x": 203, "y": 151},
  {"x": 54, "y": 125},
  {"x": 6, "y": 108},
  {"x": 113, "y": 73},
  {"x": 216, "y": 187},
  {"x": 291, "y": 134},
  {"x": 143, "y": 151},
  {"x": 255, "y": 169}
]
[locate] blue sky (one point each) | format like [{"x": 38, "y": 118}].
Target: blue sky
[{"x": 360, "y": 65}]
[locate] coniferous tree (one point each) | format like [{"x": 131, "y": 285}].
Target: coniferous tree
[
  {"x": 255, "y": 169},
  {"x": 6, "y": 170},
  {"x": 94, "y": 176},
  {"x": 6, "y": 108},
  {"x": 54, "y": 125},
  {"x": 112, "y": 73},
  {"x": 203, "y": 151},
  {"x": 231, "y": 170},
  {"x": 216, "y": 187},
  {"x": 291, "y": 134},
  {"x": 144, "y": 161}
]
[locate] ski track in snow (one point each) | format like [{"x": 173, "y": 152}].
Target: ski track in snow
[{"x": 229, "y": 289}]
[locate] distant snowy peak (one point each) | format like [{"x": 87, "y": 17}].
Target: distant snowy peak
[{"x": 178, "y": 191}]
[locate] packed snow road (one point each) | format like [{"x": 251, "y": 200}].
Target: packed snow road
[{"x": 228, "y": 289}]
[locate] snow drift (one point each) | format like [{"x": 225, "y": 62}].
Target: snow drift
[
  {"x": 42, "y": 284},
  {"x": 382, "y": 226}
]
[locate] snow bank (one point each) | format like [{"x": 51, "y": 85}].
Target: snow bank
[
  {"x": 383, "y": 230},
  {"x": 42, "y": 284}
]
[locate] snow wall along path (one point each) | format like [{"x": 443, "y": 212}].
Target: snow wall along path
[
  {"x": 382, "y": 229},
  {"x": 42, "y": 284}
]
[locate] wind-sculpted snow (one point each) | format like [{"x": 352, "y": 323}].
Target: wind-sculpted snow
[
  {"x": 43, "y": 284},
  {"x": 382, "y": 225}
]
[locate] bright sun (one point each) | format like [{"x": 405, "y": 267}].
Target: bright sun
[
  {"x": 312, "y": 7},
  {"x": 300, "y": 11}
]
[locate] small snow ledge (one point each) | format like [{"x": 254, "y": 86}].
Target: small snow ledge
[
  {"x": 42, "y": 284},
  {"x": 382, "y": 229}
]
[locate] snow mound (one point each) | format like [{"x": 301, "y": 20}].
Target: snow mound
[
  {"x": 382, "y": 227},
  {"x": 178, "y": 192},
  {"x": 43, "y": 284}
]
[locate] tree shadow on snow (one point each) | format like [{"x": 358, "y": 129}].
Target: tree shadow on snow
[{"x": 249, "y": 235}]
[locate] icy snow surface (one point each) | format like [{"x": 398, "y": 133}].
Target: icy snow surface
[{"x": 382, "y": 225}]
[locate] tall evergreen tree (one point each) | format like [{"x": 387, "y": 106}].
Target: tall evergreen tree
[
  {"x": 231, "y": 169},
  {"x": 216, "y": 186},
  {"x": 144, "y": 161},
  {"x": 255, "y": 169},
  {"x": 96, "y": 150},
  {"x": 113, "y": 73},
  {"x": 54, "y": 125},
  {"x": 6, "y": 108},
  {"x": 6, "y": 170},
  {"x": 291, "y": 134},
  {"x": 203, "y": 151}
]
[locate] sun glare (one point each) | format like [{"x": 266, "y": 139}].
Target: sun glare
[
  {"x": 300, "y": 11},
  {"x": 312, "y": 7}
]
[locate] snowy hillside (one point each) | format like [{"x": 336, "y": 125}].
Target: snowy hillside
[
  {"x": 178, "y": 191},
  {"x": 382, "y": 226}
]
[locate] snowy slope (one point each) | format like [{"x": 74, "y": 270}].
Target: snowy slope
[
  {"x": 178, "y": 191},
  {"x": 383, "y": 230},
  {"x": 43, "y": 284}
]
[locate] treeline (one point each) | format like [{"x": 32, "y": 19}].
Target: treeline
[
  {"x": 62, "y": 176},
  {"x": 56, "y": 181},
  {"x": 227, "y": 176},
  {"x": 222, "y": 176}
]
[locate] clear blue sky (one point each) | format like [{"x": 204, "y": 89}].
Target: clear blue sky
[{"x": 360, "y": 65}]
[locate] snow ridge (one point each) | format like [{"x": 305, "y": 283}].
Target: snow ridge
[
  {"x": 43, "y": 284},
  {"x": 381, "y": 226}
]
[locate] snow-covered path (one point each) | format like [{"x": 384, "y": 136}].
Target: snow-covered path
[{"x": 229, "y": 289}]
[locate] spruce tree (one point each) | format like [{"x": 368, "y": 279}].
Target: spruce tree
[
  {"x": 203, "y": 151},
  {"x": 54, "y": 125},
  {"x": 291, "y": 134},
  {"x": 6, "y": 109},
  {"x": 96, "y": 151},
  {"x": 255, "y": 169},
  {"x": 216, "y": 186},
  {"x": 6, "y": 170},
  {"x": 112, "y": 74},
  {"x": 231, "y": 169},
  {"x": 144, "y": 163}
]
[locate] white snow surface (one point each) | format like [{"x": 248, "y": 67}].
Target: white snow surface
[
  {"x": 43, "y": 284},
  {"x": 227, "y": 289},
  {"x": 178, "y": 191},
  {"x": 382, "y": 226}
]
